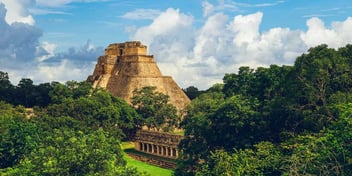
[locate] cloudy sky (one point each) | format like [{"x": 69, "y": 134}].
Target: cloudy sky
[{"x": 194, "y": 41}]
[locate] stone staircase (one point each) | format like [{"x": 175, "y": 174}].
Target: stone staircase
[{"x": 153, "y": 160}]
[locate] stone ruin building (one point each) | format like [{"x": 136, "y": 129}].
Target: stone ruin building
[
  {"x": 161, "y": 148},
  {"x": 157, "y": 143},
  {"x": 126, "y": 67}
]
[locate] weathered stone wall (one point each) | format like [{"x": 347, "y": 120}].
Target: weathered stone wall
[
  {"x": 127, "y": 48},
  {"x": 126, "y": 67},
  {"x": 157, "y": 143}
]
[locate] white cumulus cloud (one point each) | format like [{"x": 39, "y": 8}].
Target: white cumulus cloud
[
  {"x": 23, "y": 56},
  {"x": 337, "y": 35},
  {"x": 63, "y": 71},
  {"x": 18, "y": 11},
  {"x": 18, "y": 41},
  {"x": 201, "y": 55},
  {"x": 171, "y": 37},
  {"x": 45, "y": 51},
  {"x": 246, "y": 28},
  {"x": 208, "y": 8}
]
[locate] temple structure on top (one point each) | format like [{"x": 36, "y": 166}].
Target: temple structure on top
[{"x": 126, "y": 67}]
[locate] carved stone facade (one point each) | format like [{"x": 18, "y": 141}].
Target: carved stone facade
[
  {"x": 157, "y": 143},
  {"x": 126, "y": 67}
]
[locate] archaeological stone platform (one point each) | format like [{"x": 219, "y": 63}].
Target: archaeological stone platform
[
  {"x": 126, "y": 67},
  {"x": 158, "y": 143}
]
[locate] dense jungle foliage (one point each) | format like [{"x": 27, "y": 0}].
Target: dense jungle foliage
[
  {"x": 71, "y": 128},
  {"x": 280, "y": 120},
  {"x": 76, "y": 132}
]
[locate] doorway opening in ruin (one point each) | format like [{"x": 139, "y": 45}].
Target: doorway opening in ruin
[{"x": 121, "y": 51}]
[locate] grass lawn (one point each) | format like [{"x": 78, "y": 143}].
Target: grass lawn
[{"x": 150, "y": 169}]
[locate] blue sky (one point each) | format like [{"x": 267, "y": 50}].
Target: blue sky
[
  {"x": 194, "y": 41},
  {"x": 93, "y": 21}
]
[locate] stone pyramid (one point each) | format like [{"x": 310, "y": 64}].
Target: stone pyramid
[{"x": 126, "y": 67}]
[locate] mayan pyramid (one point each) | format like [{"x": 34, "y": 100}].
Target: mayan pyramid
[{"x": 126, "y": 67}]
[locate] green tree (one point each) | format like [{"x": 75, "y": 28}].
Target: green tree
[
  {"x": 72, "y": 153},
  {"x": 67, "y": 152},
  {"x": 196, "y": 124},
  {"x": 240, "y": 83},
  {"x": 264, "y": 159},
  {"x": 6, "y": 88},
  {"x": 24, "y": 92},
  {"x": 292, "y": 107},
  {"x": 213, "y": 123},
  {"x": 235, "y": 124},
  {"x": 321, "y": 73},
  {"x": 98, "y": 110},
  {"x": 154, "y": 109},
  {"x": 325, "y": 153},
  {"x": 218, "y": 87},
  {"x": 18, "y": 137},
  {"x": 41, "y": 94},
  {"x": 192, "y": 92},
  {"x": 71, "y": 89},
  {"x": 272, "y": 88}
]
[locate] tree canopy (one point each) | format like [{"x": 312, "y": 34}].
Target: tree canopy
[
  {"x": 154, "y": 108},
  {"x": 77, "y": 133},
  {"x": 280, "y": 120}
]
